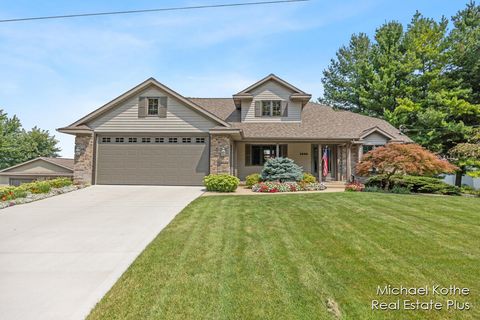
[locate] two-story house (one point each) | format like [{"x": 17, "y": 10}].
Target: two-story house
[{"x": 152, "y": 135}]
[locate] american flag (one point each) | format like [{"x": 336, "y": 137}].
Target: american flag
[{"x": 325, "y": 163}]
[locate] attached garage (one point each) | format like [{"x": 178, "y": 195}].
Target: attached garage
[{"x": 152, "y": 160}]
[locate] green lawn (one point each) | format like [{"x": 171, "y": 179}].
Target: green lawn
[{"x": 284, "y": 256}]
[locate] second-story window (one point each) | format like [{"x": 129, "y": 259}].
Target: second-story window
[
  {"x": 271, "y": 108},
  {"x": 152, "y": 106}
]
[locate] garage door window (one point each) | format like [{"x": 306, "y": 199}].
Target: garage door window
[
  {"x": 159, "y": 140},
  {"x": 146, "y": 140},
  {"x": 119, "y": 140},
  {"x": 132, "y": 140},
  {"x": 186, "y": 140},
  {"x": 172, "y": 140},
  {"x": 106, "y": 139}
]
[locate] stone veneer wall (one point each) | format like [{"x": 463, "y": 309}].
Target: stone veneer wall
[
  {"x": 220, "y": 161},
  {"x": 83, "y": 165},
  {"x": 355, "y": 159}
]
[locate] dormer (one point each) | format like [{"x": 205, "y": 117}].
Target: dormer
[{"x": 271, "y": 99}]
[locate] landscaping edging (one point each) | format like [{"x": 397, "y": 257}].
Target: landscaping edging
[{"x": 31, "y": 197}]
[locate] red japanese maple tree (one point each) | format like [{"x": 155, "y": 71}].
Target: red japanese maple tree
[{"x": 395, "y": 158}]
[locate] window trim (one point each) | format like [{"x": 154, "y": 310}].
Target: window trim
[
  {"x": 156, "y": 111},
  {"x": 271, "y": 107}
]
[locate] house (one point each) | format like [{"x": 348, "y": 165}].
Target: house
[
  {"x": 40, "y": 168},
  {"x": 153, "y": 135}
]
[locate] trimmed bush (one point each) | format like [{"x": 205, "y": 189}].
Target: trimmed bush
[
  {"x": 252, "y": 179},
  {"x": 373, "y": 189},
  {"x": 221, "y": 182},
  {"x": 282, "y": 170},
  {"x": 309, "y": 178},
  {"x": 414, "y": 184}
]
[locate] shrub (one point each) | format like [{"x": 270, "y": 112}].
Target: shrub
[
  {"x": 60, "y": 182},
  {"x": 354, "y": 186},
  {"x": 252, "y": 179},
  {"x": 414, "y": 184},
  {"x": 221, "y": 182},
  {"x": 281, "y": 169},
  {"x": 373, "y": 189},
  {"x": 400, "y": 190},
  {"x": 309, "y": 178},
  {"x": 40, "y": 187}
]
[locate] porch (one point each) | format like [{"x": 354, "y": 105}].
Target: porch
[{"x": 341, "y": 157}]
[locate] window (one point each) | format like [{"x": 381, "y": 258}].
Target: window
[
  {"x": 261, "y": 153},
  {"x": 106, "y": 139},
  {"x": 146, "y": 140},
  {"x": 186, "y": 140},
  {"x": 172, "y": 140},
  {"x": 119, "y": 140},
  {"x": 272, "y": 108},
  {"x": 199, "y": 140},
  {"x": 132, "y": 140},
  {"x": 152, "y": 107},
  {"x": 367, "y": 148},
  {"x": 159, "y": 140}
]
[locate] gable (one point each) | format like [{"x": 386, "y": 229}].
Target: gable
[
  {"x": 376, "y": 138},
  {"x": 37, "y": 166},
  {"x": 271, "y": 90},
  {"x": 118, "y": 112},
  {"x": 124, "y": 116}
]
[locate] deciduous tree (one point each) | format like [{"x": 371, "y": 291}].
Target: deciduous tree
[{"x": 396, "y": 158}]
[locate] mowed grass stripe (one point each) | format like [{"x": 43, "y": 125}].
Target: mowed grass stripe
[{"x": 283, "y": 256}]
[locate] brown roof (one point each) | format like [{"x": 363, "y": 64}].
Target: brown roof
[
  {"x": 63, "y": 162},
  {"x": 318, "y": 122}
]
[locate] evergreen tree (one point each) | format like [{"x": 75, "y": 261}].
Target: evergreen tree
[{"x": 413, "y": 78}]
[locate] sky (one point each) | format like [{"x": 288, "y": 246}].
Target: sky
[{"x": 53, "y": 72}]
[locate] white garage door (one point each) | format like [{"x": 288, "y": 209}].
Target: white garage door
[{"x": 152, "y": 160}]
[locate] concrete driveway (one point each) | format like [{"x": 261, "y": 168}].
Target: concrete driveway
[{"x": 60, "y": 255}]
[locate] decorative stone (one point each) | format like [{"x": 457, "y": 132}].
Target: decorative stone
[
  {"x": 220, "y": 146},
  {"x": 83, "y": 163}
]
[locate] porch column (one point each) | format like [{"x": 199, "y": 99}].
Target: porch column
[
  {"x": 320, "y": 164},
  {"x": 360, "y": 152},
  {"x": 277, "y": 151},
  {"x": 349, "y": 161},
  {"x": 220, "y": 154}
]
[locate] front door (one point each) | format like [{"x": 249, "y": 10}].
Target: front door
[{"x": 330, "y": 151}]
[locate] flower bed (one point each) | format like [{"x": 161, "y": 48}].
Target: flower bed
[
  {"x": 354, "y": 186},
  {"x": 273, "y": 187},
  {"x": 29, "y": 192}
]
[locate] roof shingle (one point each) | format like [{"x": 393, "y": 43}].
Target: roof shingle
[{"x": 318, "y": 122}]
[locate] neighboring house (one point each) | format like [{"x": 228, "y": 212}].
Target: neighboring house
[
  {"x": 41, "y": 168},
  {"x": 153, "y": 135}
]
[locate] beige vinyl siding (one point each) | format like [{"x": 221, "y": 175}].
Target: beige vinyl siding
[
  {"x": 124, "y": 118},
  {"x": 39, "y": 167},
  {"x": 4, "y": 180},
  {"x": 375, "y": 138},
  {"x": 271, "y": 91},
  {"x": 294, "y": 152}
]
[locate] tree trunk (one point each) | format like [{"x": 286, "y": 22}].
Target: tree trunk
[{"x": 458, "y": 178}]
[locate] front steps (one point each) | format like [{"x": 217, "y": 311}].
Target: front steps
[{"x": 334, "y": 184}]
